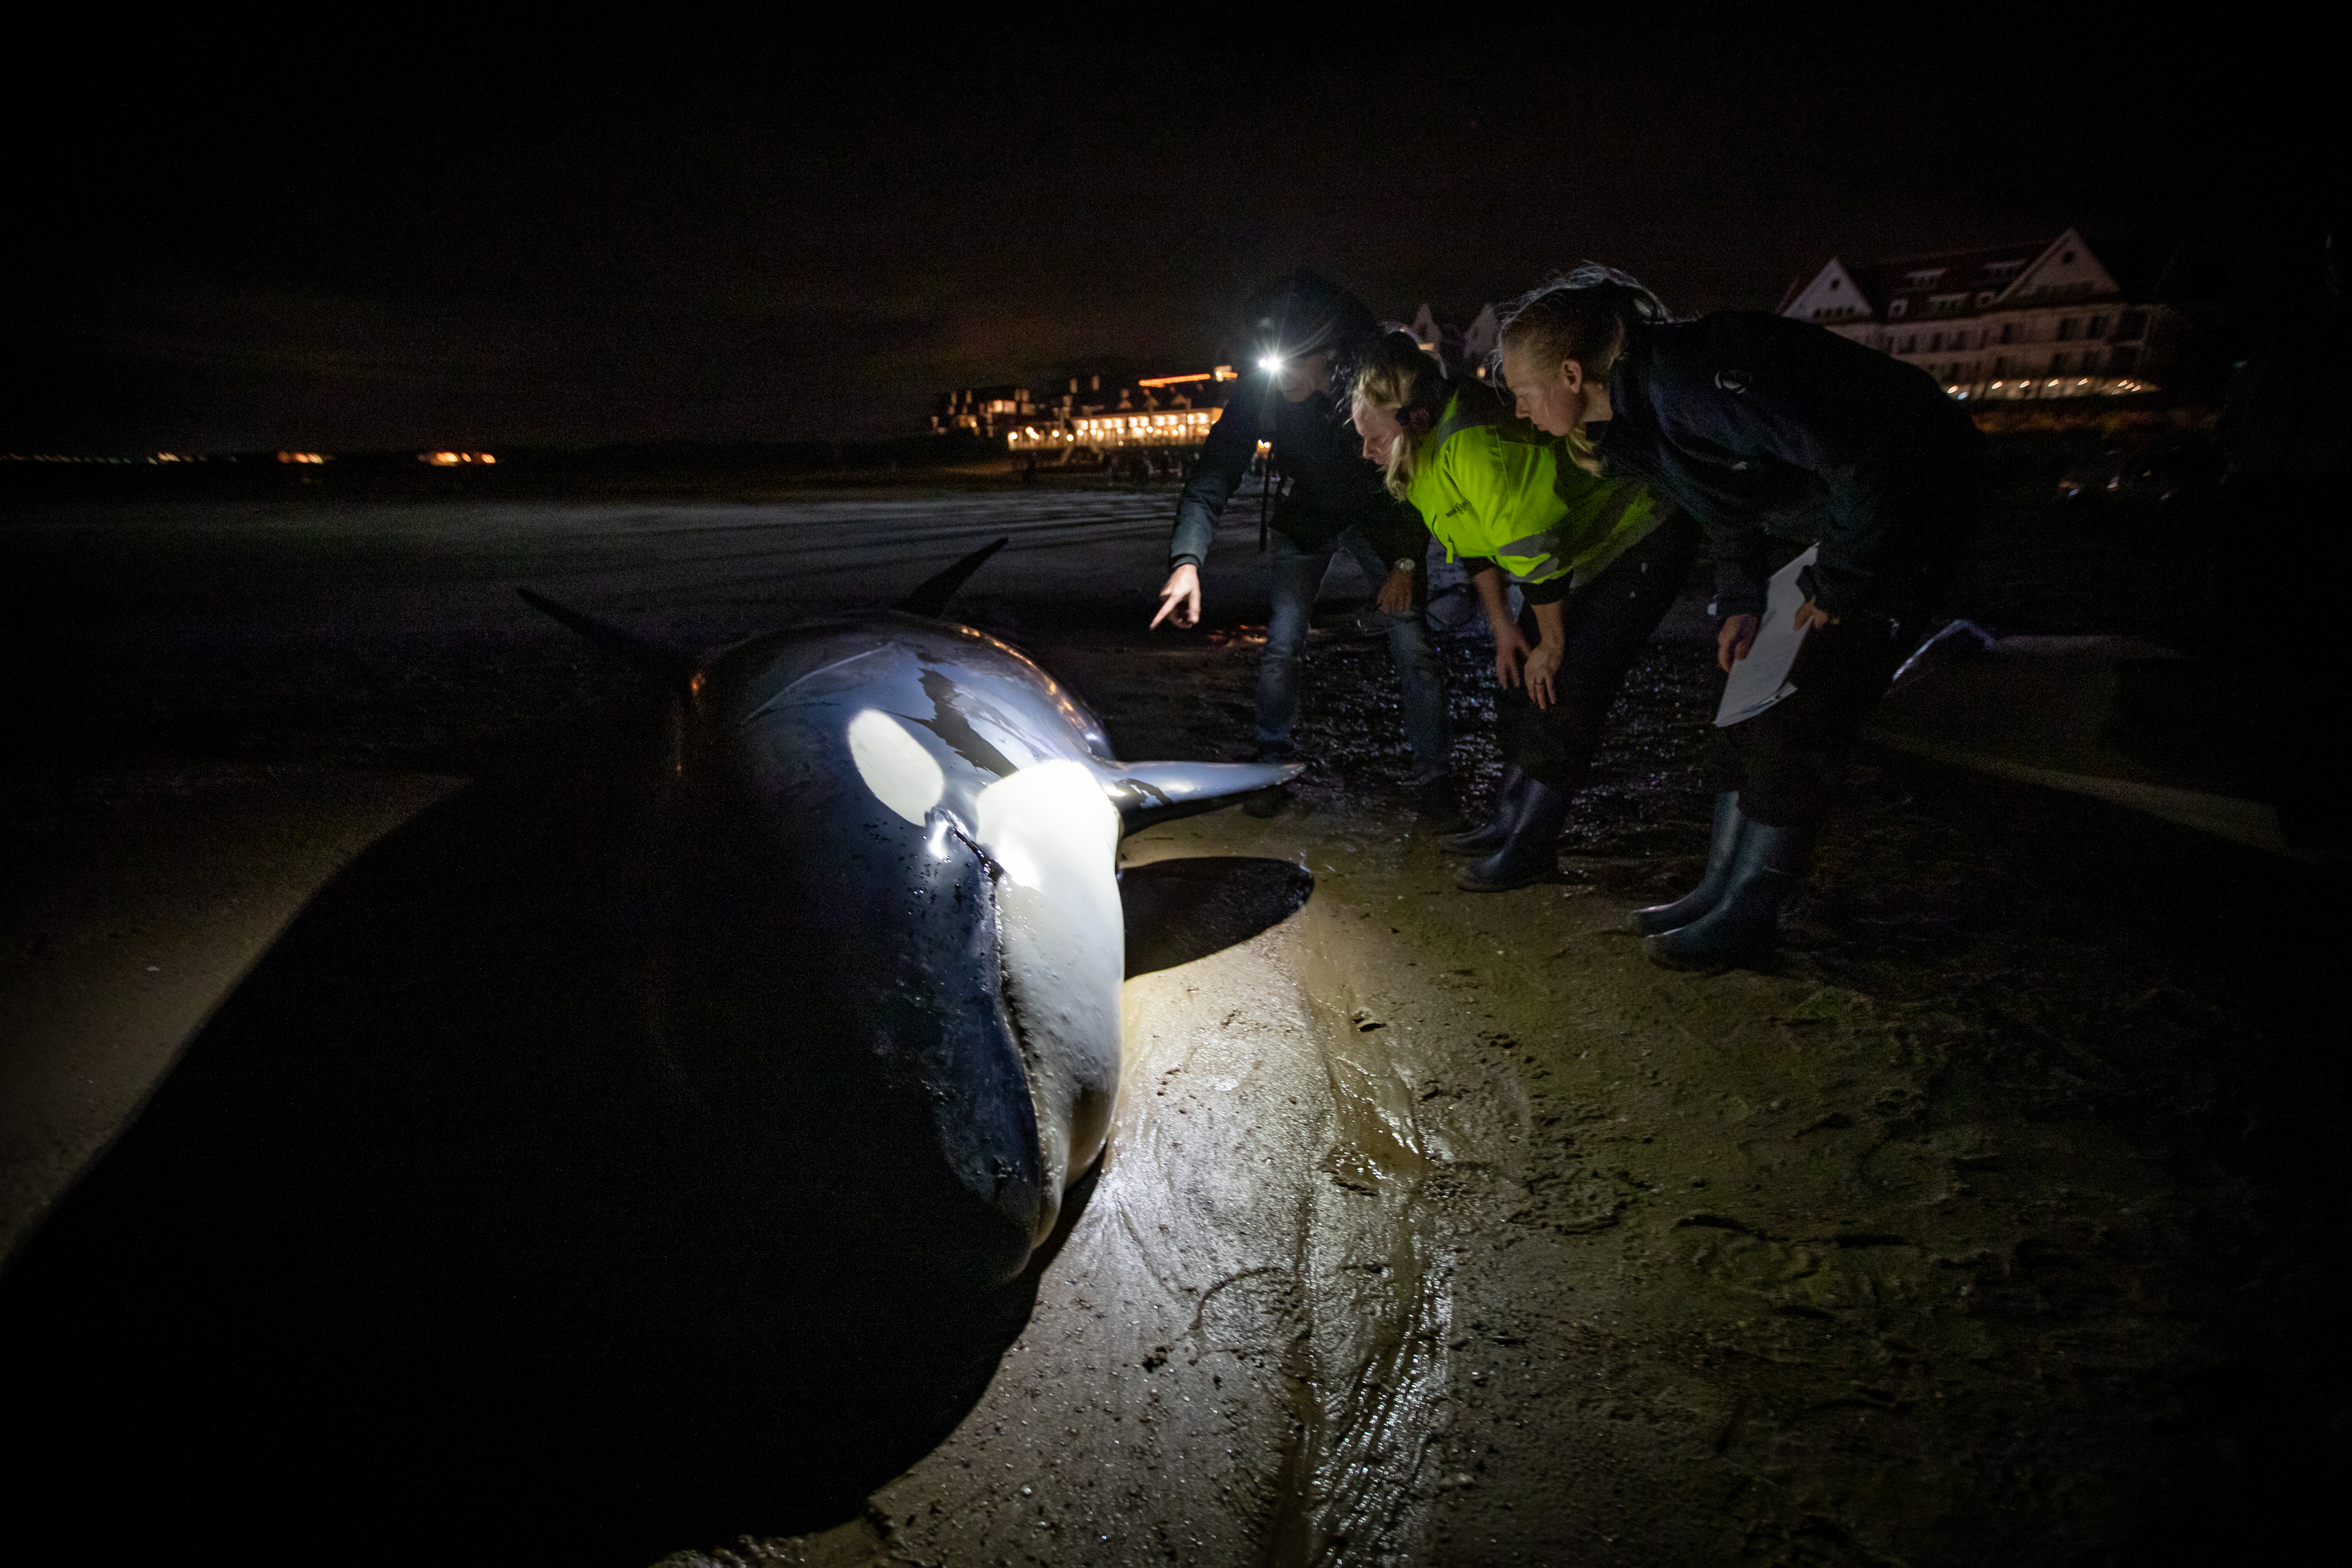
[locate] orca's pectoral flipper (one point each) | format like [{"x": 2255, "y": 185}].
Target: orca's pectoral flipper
[
  {"x": 931, "y": 596},
  {"x": 1150, "y": 793},
  {"x": 667, "y": 665}
]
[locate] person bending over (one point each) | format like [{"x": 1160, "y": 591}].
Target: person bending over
[
  {"x": 1775, "y": 435},
  {"x": 1304, "y": 327},
  {"x": 1598, "y": 561}
]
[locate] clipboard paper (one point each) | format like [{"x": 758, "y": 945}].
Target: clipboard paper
[{"x": 1761, "y": 679}]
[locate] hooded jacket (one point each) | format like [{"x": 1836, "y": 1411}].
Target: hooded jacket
[
  {"x": 1331, "y": 485},
  {"x": 1777, "y": 433}
]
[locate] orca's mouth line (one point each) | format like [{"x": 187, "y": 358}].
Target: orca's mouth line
[
  {"x": 995, "y": 868},
  {"x": 1049, "y": 1181}
]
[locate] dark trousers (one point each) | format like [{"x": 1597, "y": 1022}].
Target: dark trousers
[
  {"x": 1783, "y": 762},
  {"x": 1606, "y": 623}
]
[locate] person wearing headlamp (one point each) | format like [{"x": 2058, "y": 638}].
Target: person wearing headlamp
[
  {"x": 1306, "y": 328},
  {"x": 1598, "y": 561}
]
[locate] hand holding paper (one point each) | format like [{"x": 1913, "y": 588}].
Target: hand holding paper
[{"x": 1760, "y": 677}]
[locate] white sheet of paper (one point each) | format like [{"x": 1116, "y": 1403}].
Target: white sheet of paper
[{"x": 1761, "y": 679}]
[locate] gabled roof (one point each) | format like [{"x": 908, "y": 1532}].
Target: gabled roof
[
  {"x": 1956, "y": 282},
  {"x": 1948, "y": 282},
  {"x": 1833, "y": 295},
  {"x": 1479, "y": 338},
  {"x": 2064, "y": 270}
]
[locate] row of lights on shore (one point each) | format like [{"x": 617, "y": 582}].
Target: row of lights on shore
[
  {"x": 432, "y": 459},
  {"x": 436, "y": 459},
  {"x": 2050, "y": 386}
]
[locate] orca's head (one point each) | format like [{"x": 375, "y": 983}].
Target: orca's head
[
  {"x": 898, "y": 838},
  {"x": 978, "y": 756}
]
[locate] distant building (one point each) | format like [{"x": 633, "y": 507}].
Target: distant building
[
  {"x": 1153, "y": 411},
  {"x": 2003, "y": 321},
  {"x": 1463, "y": 351},
  {"x": 984, "y": 410}
]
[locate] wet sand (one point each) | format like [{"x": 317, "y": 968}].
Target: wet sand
[
  {"x": 1990, "y": 1223},
  {"x": 1995, "y": 1221}
]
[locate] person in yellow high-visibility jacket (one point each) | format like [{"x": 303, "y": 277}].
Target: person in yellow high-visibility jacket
[{"x": 1597, "y": 563}]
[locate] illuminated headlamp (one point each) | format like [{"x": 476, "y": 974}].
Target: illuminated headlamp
[{"x": 1270, "y": 362}]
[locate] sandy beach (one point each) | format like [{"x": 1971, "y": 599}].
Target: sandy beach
[{"x": 1995, "y": 1221}]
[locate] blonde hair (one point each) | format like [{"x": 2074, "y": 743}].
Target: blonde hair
[
  {"x": 1393, "y": 372},
  {"x": 1582, "y": 451},
  {"x": 1588, "y": 315}
]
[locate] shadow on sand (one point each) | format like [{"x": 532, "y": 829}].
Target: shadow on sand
[{"x": 420, "y": 1254}]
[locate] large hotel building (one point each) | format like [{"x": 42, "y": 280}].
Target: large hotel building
[{"x": 2004, "y": 322}]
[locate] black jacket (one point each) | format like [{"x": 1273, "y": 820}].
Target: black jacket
[
  {"x": 1777, "y": 433},
  {"x": 1332, "y": 487}
]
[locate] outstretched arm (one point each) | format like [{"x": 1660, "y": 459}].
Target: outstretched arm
[{"x": 1224, "y": 457}]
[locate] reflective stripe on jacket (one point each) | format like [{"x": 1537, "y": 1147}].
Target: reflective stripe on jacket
[{"x": 1492, "y": 486}]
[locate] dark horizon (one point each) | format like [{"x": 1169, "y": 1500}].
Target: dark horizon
[{"x": 246, "y": 250}]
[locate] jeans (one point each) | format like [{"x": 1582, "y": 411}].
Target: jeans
[{"x": 1298, "y": 574}]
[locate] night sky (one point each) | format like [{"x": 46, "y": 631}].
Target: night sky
[{"x": 451, "y": 240}]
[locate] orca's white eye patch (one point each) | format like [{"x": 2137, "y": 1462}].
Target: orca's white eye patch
[{"x": 894, "y": 766}]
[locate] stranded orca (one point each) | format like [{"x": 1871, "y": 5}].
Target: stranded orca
[
  {"x": 434, "y": 1228},
  {"x": 890, "y": 946}
]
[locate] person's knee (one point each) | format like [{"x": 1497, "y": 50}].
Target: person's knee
[
  {"x": 1410, "y": 643},
  {"x": 1419, "y": 664},
  {"x": 1573, "y": 734},
  {"x": 1285, "y": 644}
]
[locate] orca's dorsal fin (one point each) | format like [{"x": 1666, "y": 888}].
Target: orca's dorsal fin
[
  {"x": 667, "y": 665},
  {"x": 931, "y": 596},
  {"x": 1147, "y": 794}
]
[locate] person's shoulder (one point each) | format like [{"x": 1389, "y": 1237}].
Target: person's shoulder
[
  {"x": 1724, "y": 338},
  {"x": 1251, "y": 393},
  {"x": 1478, "y": 399},
  {"x": 1479, "y": 409},
  {"x": 1743, "y": 351}
]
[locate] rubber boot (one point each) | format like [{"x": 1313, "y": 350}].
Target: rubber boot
[
  {"x": 1720, "y": 850},
  {"x": 1531, "y": 852},
  {"x": 1492, "y": 834},
  {"x": 1439, "y": 807},
  {"x": 1745, "y": 923}
]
